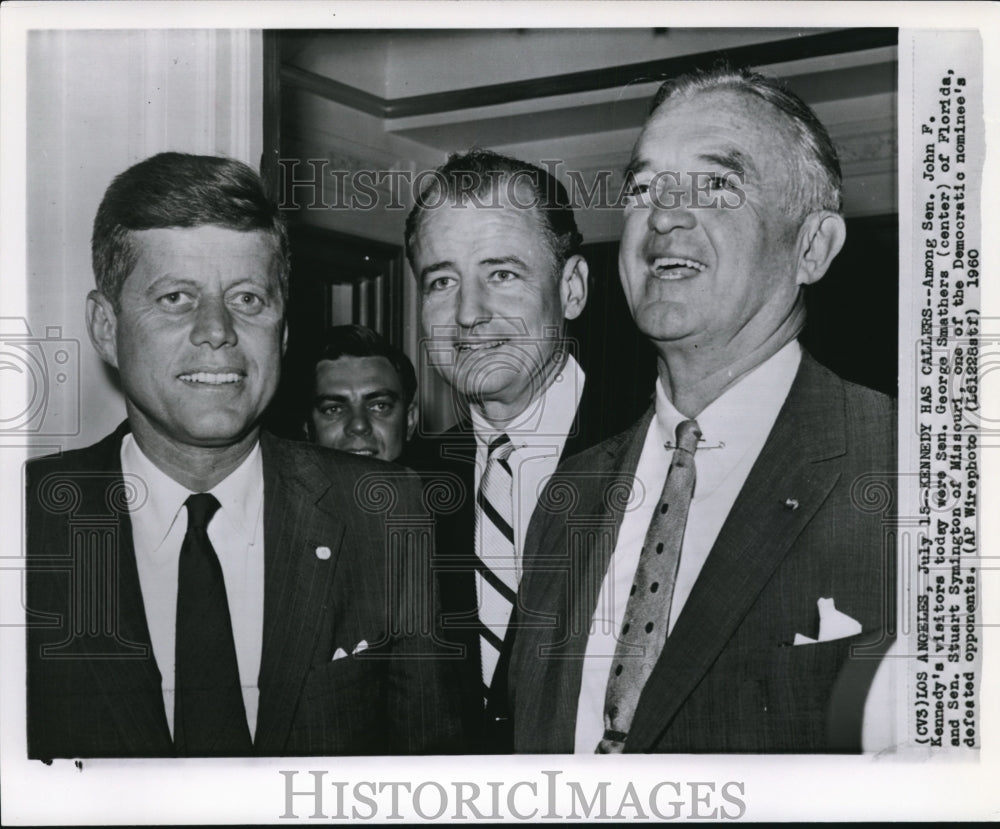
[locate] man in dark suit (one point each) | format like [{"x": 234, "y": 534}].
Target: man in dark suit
[
  {"x": 197, "y": 587},
  {"x": 495, "y": 250},
  {"x": 715, "y": 579}
]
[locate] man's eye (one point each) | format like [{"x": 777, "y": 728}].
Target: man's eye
[
  {"x": 502, "y": 276},
  {"x": 636, "y": 193},
  {"x": 724, "y": 181},
  {"x": 381, "y": 406},
  {"x": 330, "y": 409},
  {"x": 440, "y": 283},
  {"x": 248, "y": 301},
  {"x": 175, "y": 299}
]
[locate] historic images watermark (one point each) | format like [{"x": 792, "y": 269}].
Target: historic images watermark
[
  {"x": 312, "y": 795},
  {"x": 310, "y": 184}
]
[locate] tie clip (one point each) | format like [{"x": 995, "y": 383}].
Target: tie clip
[{"x": 701, "y": 447}]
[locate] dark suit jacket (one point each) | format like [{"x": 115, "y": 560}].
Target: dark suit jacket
[
  {"x": 811, "y": 521},
  {"x": 447, "y": 463},
  {"x": 94, "y": 686}
]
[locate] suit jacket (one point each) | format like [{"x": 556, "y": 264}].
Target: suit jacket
[
  {"x": 93, "y": 683},
  {"x": 811, "y": 521},
  {"x": 447, "y": 463}
]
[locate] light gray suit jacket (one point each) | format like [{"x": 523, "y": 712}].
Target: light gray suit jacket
[{"x": 813, "y": 520}]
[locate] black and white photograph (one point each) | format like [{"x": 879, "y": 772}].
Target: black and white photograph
[{"x": 405, "y": 402}]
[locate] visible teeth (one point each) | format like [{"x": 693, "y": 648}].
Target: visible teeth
[
  {"x": 666, "y": 263},
  {"x": 479, "y": 346},
  {"x": 368, "y": 452},
  {"x": 211, "y": 379}
]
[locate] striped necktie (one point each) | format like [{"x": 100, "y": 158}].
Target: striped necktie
[
  {"x": 647, "y": 614},
  {"x": 497, "y": 576}
]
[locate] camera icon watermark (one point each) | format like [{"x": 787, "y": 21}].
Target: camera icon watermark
[{"x": 47, "y": 370}]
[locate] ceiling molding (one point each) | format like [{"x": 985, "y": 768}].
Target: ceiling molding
[{"x": 758, "y": 54}]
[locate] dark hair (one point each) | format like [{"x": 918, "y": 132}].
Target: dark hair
[
  {"x": 816, "y": 184},
  {"x": 479, "y": 173},
  {"x": 179, "y": 190},
  {"x": 359, "y": 341}
]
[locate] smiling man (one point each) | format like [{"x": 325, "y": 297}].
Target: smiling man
[
  {"x": 739, "y": 603},
  {"x": 181, "y": 592},
  {"x": 495, "y": 250},
  {"x": 363, "y": 394}
]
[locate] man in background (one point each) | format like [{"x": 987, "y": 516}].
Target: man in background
[
  {"x": 495, "y": 250},
  {"x": 196, "y": 586},
  {"x": 721, "y": 612},
  {"x": 363, "y": 396}
]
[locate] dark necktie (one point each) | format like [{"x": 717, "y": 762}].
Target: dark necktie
[
  {"x": 495, "y": 548},
  {"x": 647, "y": 614},
  {"x": 209, "y": 717}
]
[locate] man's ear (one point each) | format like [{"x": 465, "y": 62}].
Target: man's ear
[
  {"x": 411, "y": 418},
  {"x": 820, "y": 239},
  {"x": 102, "y": 325},
  {"x": 573, "y": 287}
]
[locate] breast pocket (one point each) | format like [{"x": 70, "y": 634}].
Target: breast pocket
[
  {"x": 341, "y": 675},
  {"x": 798, "y": 685}
]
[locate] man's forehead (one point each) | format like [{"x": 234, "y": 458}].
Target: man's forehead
[
  {"x": 507, "y": 205},
  {"x": 206, "y": 248},
  {"x": 352, "y": 372},
  {"x": 723, "y": 116}
]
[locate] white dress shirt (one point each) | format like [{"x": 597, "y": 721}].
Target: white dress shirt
[
  {"x": 236, "y": 531},
  {"x": 538, "y": 434},
  {"x": 734, "y": 429}
]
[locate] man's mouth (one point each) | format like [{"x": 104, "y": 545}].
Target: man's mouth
[
  {"x": 212, "y": 378},
  {"x": 675, "y": 267},
  {"x": 478, "y": 345},
  {"x": 368, "y": 453}
]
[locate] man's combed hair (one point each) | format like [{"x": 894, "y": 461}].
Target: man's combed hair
[
  {"x": 176, "y": 190},
  {"x": 481, "y": 175},
  {"x": 360, "y": 341},
  {"x": 815, "y": 183}
]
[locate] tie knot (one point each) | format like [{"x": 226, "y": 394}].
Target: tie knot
[
  {"x": 500, "y": 447},
  {"x": 201, "y": 507},
  {"x": 687, "y": 435}
]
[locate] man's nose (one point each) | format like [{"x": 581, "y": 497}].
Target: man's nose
[
  {"x": 213, "y": 323},
  {"x": 359, "y": 423},
  {"x": 671, "y": 207},
  {"x": 471, "y": 307}
]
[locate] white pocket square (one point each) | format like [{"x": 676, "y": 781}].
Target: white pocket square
[
  {"x": 340, "y": 653},
  {"x": 832, "y": 625}
]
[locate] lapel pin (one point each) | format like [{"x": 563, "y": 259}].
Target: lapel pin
[
  {"x": 791, "y": 503},
  {"x": 323, "y": 553}
]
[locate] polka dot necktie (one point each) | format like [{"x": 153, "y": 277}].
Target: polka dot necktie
[{"x": 647, "y": 615}]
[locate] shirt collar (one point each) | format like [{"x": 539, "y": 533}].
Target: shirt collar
[
  {"x": 745, "y": 411},
  {"x": 547, "y": 419},
  {"x": 240, "y": 494}
]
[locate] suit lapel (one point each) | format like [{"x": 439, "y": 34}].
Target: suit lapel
[
  {"x": 757, "y": 535},
  {"x": 297, "y": 584},
  {"x": 573, "y": 587},
  {"x": 123, "y": 665}
]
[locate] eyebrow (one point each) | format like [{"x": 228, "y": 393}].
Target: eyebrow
[
  {"x": 443, "y": 265},
  {"x": 732, "y": 159},
  {"x": 504, "y": 260},
  {"x": 343, "y": 398},
  {"x": 181, "y": 282},
  {"x": 447, "y": 264}
]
